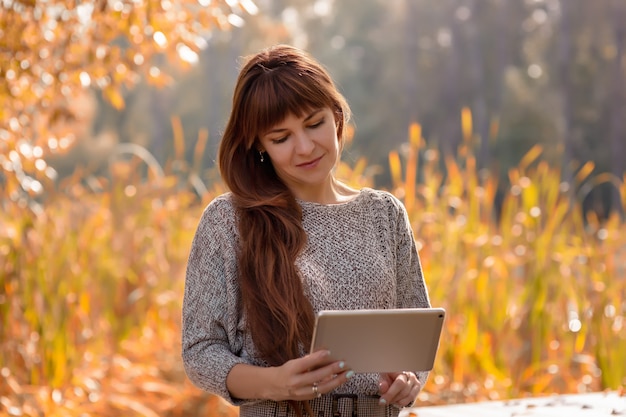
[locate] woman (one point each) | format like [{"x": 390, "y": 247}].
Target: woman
[{"x": 288, "y": 241}]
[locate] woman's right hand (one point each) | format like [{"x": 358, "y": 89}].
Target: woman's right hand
[{"x": 308, "y": 377}]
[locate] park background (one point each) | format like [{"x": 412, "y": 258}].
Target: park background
[{"x": 500, "y": 124}]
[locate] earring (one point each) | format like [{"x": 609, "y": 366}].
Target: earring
[{"x": 261, "y": 155}]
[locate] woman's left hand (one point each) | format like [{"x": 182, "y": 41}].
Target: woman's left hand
[{"x": 400, "y": 388}]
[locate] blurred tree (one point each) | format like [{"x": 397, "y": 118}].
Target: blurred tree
[
  {"x": 585, "y": 70},
  {"x": 565, "y": 85},
  {"x": 52, "y": 52},
  {"x": 533, "y": 72},
  {"x": 617, "y": 128}
]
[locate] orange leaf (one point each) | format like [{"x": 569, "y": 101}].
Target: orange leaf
[{"x": 113, "y": 96}]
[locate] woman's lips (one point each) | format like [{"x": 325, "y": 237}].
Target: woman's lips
[{"x": 310, "y": 164}]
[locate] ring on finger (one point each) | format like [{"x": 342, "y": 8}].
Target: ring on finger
[
  {"x": 407, "y": 375},
  {"x": 316, "y": 391}
]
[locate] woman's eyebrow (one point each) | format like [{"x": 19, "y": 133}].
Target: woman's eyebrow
[{"x": 312, "y": 114}]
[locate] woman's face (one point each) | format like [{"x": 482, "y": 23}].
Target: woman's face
[{"x": 303, "y": 150}]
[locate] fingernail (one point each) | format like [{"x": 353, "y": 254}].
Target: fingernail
[
  {"x": 350, "y": 374},
  {"x": 342, "y": 365},
  {"x": 382, "y": 401}
]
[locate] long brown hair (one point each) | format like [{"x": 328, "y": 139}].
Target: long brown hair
[{"x": 272, "y": 84}]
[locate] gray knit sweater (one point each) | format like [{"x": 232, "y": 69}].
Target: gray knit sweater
[{"x": 359, "y": 254}]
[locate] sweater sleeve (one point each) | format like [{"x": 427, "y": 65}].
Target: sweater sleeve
[
  {"x": 211, "y": 343},
  {"x": 411, "y": 287}
]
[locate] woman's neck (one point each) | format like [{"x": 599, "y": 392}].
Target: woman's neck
[{"x": 333, "y": 192}]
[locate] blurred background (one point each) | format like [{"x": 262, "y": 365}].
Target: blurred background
[{"x": 499, "y": 123}]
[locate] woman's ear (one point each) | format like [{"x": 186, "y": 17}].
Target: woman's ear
[{"x": 259, "y": 148}]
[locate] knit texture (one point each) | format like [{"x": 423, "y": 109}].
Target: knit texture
[{"x": 359, "y": 255}]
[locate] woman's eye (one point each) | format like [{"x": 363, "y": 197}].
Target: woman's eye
[
  {"x": 279, "y": 140},
  {"x": 318, "y": 124}
]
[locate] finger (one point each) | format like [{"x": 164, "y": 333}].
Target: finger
[
  {"x": 316, "y": 381},
  {"x": 333, "y": 381},
  {"x": 299, "y": 377},
  {"x": 327, "y": 372},
  {"x": 334, "y": 369},
  {"x": 413, "y": 385},
  {"x": 311, "y": 361},
  {"x": 383, "y": 387},
  {"x": 384, "y": 381},
  {"x": 399, "y": 390}
]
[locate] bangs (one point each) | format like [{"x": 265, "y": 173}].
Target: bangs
[{"x": 276, "y": 94}]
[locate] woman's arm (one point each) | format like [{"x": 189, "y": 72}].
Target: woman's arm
[
  {"x": 292, "y": 381},
  {"x": 211, "y": 342}
]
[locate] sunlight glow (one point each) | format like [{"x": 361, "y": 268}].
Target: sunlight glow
[
  {"x": 535, "y": 212},
  {"x": 48, "y": 35},
  {"x": 118, "y": 6},
  {"x": 101, "y": 51},
  {"x": 65, "y": 142},
  {"x": 200, "y": 42},
  {"x": 160, "y": 39},
  {"x": 36, "y": 187},
  {"x": 130, "y": 191},
  {"x": 463, "y": 13},
  {"x": 535, "y": 71},
  {"x": 249, "y": 7},
  {"x": 51, "y": 173},
  {"x": 155, "y": 72},
  {"x": 84, "y": 12},
  {"x": 53, "y": 143},
  {"x": 26, "y": 149},
  {"x": 138, "y": 59},
  {"x": 610, "y": 310},
  {"x": 85, "y": 79},
  {"x": 186, "y": 53},
  {"x": 540, "y": 16},
  {"x": 575, "y": 325},
  {"x": 444, "y": 37},
  {"x": 235, "y": 20},
  {"x": 322, "y": 7},
  {"x": 290, "y": 16}
]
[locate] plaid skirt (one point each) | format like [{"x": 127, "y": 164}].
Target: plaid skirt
[{"x": 329, "y": 405}]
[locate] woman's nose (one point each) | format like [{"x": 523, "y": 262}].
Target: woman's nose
[{"x": 304, "y": 144}]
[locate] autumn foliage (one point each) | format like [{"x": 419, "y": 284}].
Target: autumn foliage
[
  {"x": 92, "y": 267},
  {"x": 91, "y": 288},
  {"x": 51, "y": 51}
]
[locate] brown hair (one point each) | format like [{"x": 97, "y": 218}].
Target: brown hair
[{"x": 272, "y": 84}]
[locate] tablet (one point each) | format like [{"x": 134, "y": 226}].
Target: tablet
[{"x": 392, "y": 340}]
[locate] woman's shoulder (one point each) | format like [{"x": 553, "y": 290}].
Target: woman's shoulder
[
  {"x": 222, "y": 202},
  {"x": 220, "y": 210},
  {"x": 382, "y": 197}
]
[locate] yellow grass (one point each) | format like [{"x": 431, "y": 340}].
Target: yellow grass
[{"x": 91, "y": 287}]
